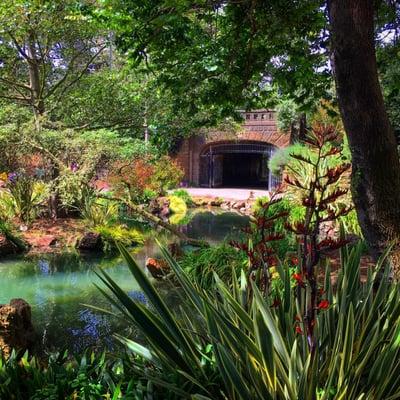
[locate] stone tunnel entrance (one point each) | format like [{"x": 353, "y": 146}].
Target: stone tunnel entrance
[{"x": 237, "y": 164}]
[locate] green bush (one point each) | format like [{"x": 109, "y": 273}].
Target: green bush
[
  {"x": 167, "y": 175},
  {"x": 119, "y": 233},
  {"x": 184, "y": 195},
  {"x": 240, "y": 345},
  {"x": 201, "y": 265},
  {"x": 23, "y": 197},
  {"x": 98, "y": 211},
  {"x": 296, "y": 214}
]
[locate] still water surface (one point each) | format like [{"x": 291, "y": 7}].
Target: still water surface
[{"x": 58, "y": 286}]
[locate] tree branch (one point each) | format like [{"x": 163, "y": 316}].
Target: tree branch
[
  {"x": 73, "y": 81},
  {"x": 158, "y": 221}
]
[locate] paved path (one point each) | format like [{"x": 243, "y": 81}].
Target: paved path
[{"x": 227, "y": 193}]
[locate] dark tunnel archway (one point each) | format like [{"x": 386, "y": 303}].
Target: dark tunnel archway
[{"x": 237, "y": 164}]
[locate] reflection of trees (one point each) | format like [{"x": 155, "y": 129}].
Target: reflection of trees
[{"x": 215, "y": 226}]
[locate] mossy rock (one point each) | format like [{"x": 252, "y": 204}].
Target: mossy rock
[{"x": 177, "y": 205}]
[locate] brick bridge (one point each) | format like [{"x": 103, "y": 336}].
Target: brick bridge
[{"x": 234, "y": 159}]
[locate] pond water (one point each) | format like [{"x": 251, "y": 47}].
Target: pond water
[{"x": 59, "y": 286}]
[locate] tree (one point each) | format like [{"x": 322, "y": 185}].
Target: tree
[
  {"x": 225, "y": 53},
  {"x": 45, "y": 48},
  {"x": 375, "y": 160}
]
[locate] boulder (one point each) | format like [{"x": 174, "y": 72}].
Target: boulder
[
  {"x": 154, "y": 207},
  {"x": 157, "y": 268},
  {"x": 239, "y": 205},
  {"x": 216, "y": 202},
  {"x": 16, "y": 329},
  {"x": 165, "y": 210},
  {"x": 90, "y": 241}
]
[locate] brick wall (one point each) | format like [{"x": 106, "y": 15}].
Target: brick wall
[{"x": 258, "y": 126}]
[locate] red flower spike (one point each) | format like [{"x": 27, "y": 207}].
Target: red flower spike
[
  {"x": 298, "y": 278},
  {"x": 323, "y": 305},
  {"x": 276, "y": 303},
  {"x": 298, "y": 330}
]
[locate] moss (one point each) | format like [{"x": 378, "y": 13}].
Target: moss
[
  {"x": 185, "y": 196},
  {"x": 177, "y": 205},
  {"x": 126, "y": 236},
  {"x": 178, "y": 219}
]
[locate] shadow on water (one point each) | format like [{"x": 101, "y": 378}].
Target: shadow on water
[{"x": 59, "y": 286}]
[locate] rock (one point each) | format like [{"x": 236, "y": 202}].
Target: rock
[
  {"x": 225, "y": 206},
  {"x": 44, "y": 241},
  {"x": 239, "y": 205},
  {"x": 16, "y": 329},
  {"x": 91, "y": 241},
  {"x": 216, "y": 202},
  {"x": 176, "y": 250},
  {"x": 251, "y": 195},
  {"x": 165, "y": 211},
  {"x": 243, "y": 210},
  {"x": 157, "y": 268},
  {"x": 154, "y": 207},
  {"x": 7, "y": 247}
]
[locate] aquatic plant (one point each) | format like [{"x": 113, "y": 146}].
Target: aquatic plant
[{"x": 224, "y": 260}]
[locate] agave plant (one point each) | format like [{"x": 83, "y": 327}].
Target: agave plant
[{"x": 224, "y": 347}]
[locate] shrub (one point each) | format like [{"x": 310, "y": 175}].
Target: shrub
[
  {"x": 177, "y": 205},
  {"x": 184, "y": 195},
  {"x": 201, "y": 265},
  {"x": 167, "y": 175},
  {"x": 281, "y": 157},
  {"x": 97, "y": 211},
  {"x": 23, "y": 197},
  {"x": 119, "y": 233},
  {"x": 131, "y": 178},
  {"x": 138, "y": 178}
]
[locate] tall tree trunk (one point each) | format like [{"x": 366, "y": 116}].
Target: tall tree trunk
[
  {"x": 34, "y": 78},
  {"x": 376, "y": 167},
  {"x": 302, "y": 126}
]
